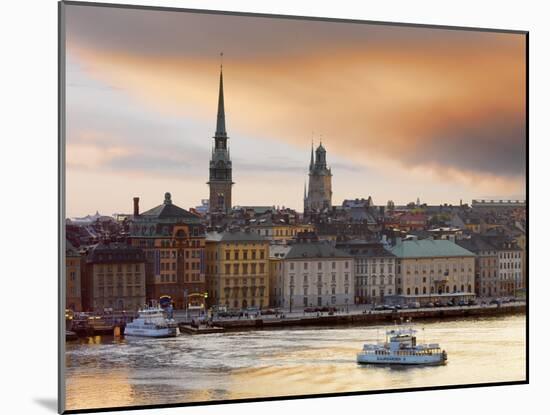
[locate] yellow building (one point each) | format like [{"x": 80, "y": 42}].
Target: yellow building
[
  {"x": 237, "y": 269},
  {"x": 430, "y": 270},
  {"x": 115, "y": 278},
  {"x": 279, "y": 232},
  {"x": 73, "y": 277}
]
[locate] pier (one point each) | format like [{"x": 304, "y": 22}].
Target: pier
[{"x": 370, "y": 317}]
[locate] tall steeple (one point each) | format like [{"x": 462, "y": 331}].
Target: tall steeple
[
  {"x": 220, "y": 123},
  {"x": 311, "y": 160},
  {"x": 220, "y": 178}
]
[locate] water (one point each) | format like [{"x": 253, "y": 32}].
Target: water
[{"x": 104, "y": 372}]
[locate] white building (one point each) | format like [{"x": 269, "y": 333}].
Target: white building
[
  {"x": 374, "y": 270},
  {"x": 315, "y": 274},
  {"x": 509, "y": 268}
]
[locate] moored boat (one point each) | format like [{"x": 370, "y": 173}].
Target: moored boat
[{"x": 152, "y": 322}]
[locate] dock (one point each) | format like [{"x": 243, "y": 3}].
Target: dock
[
  {"x": 372, "y": 318},
  {"x": 186, "y": 328}
]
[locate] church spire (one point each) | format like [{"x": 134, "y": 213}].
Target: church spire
[
  {"x": 220, "y": 123},
  {"x": 311, "y": 159}
]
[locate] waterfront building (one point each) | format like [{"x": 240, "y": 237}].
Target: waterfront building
[
  {"x": 237, "y": 269},
  {"x": 114, "y": 278},
  {"x": 510, "y": 261},
  {"x": 74, "y": 266},
  {"x": 318, "y": 195},
  {"x": 277, "y": 252},
  {"x": 220, "y": 181},
  {"x": 430, "y": 270},
  {"x": 486, "y": 265},
  {"x": 374, "y": 270},
  {"x": 313, "y": 274},
  {"x": 173, "y": 240}
]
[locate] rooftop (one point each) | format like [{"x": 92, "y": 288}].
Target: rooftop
[
  {"x": 428, "y": 248},
  {"x": 315, "y": 250},
  {"x": 167, "y": 210}
]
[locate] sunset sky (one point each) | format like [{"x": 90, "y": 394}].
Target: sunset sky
[{"x": 403, "y": 112}]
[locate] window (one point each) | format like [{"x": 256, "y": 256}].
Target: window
[
  {"x": 292, "y": 266},
  {"x": 305, "y": 265},
  {"x": 245, "y": 255},
  {"x": 227, "y": 255},
  {"x": 319, "y": 265},
  {"x": 236, "y": 255}
]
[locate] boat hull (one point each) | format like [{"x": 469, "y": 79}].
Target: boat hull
[
  {"x": 157, "y": 333},
  {"x": 374, "y": 359}
]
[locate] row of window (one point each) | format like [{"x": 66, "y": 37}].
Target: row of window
[
  {"x": 246, "y": 255},
  {"x": 244, "y": 292},
  {"x": 319, "y": 291},
  {"x": 242, "y": 281},
  {"x": 119, "y": 267},
  {"x": 362, "y": 269},
  {"x": 319, "y": 278},
  {"x": 119, "y": 280},
  {"x": 244, "y": 269},
  {"x": 510, "y": 265},
  {"x": 319, "y": 265},
  {"x": 509, "y": 255},
  {"x": 374, "y": 280}
]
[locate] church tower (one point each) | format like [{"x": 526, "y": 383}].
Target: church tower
[
  {"x": 220, "y": 180},
  {"x": 319, "y": 193}
]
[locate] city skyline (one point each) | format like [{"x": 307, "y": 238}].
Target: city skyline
[{"x": 455, "y": 132}]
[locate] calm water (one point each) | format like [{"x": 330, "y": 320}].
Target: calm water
[{"x": 107, "y": 372}]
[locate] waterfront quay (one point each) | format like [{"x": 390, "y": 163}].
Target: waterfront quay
[{"x": 360, "y": 316}]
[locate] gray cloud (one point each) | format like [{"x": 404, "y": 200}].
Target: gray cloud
[{"x": 153, "y": 32}]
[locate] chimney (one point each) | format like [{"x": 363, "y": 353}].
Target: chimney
[{"x": 136, "y": 206}]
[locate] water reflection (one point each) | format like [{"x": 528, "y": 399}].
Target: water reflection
[{"x": 111, "y": 372}]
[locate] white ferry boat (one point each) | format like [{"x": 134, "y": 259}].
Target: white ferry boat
[
  {"x": 400, "y": 348},
  {"x": 152, "y": 322}
]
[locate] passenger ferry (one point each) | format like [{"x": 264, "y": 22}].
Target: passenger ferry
[
  {"x": 152, "y": 322},
  {"x": 400, "y": 348}
]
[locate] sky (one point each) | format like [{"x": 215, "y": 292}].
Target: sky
[{"x": 403, "y": 112}]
